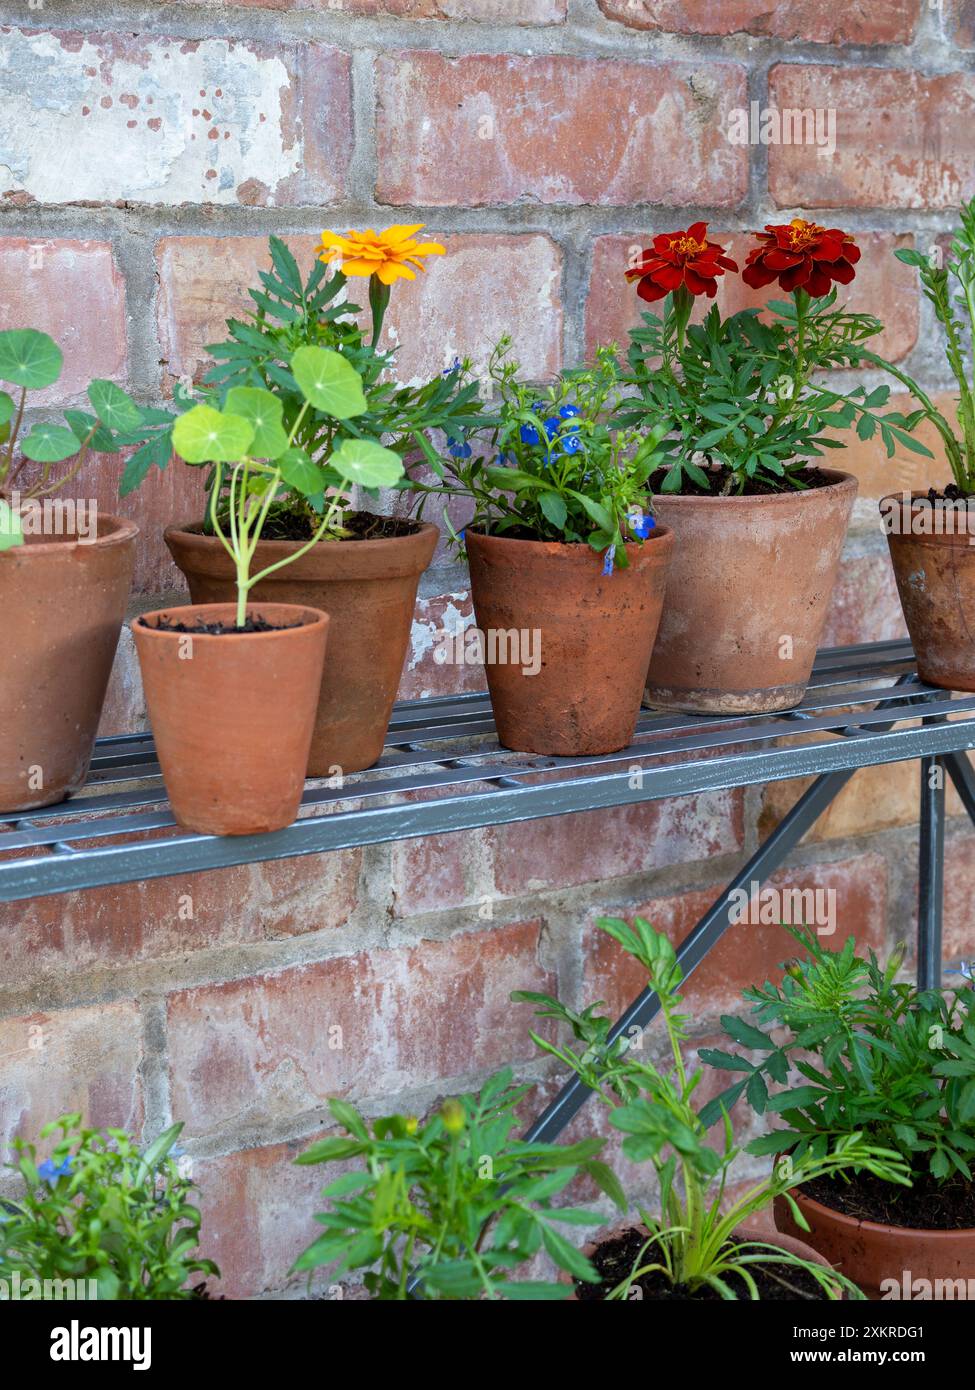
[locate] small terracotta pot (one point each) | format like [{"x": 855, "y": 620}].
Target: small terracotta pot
[
  {"x": 232, "y": 715},
  {"x": 870, "y": 1253},
  {"x": 790, "y": 1244},
  {"x": 935, "y": 575},
  {"x": 589, "y": 635},
  {"x": 747, "y": 599},
  {"x": 63, "y": 604},
  {"x": 368, "y": 589}
]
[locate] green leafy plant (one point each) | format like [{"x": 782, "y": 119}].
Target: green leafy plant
[
  {"x": 32, "y": 361},
  {"x": 256, "y": 457},
  {"x": 875, "y": 1057},
  {"x": 550, "y": 468},
  {"x": 948, "y": 287},
  {"x": 100, "y": 1210},
  {"x": 743, "y": 394},
  {"x": 454, "y": 1200},
  {"x": 691, "y": 1239},
  {"x": 291, "y": 313}
]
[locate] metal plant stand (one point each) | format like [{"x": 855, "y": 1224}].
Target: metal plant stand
[{"x": 865, "y": 706}]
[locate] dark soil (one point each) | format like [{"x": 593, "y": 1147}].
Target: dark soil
[
  {"x": 615, "y": 1259},
  {"x": 365, "y": 526},
  {"x": 754, "y": 487},
  {"x": 927, "y": 1206},
  {"x": 952, "y": 493},
  {"x": 199, "y": 628}
]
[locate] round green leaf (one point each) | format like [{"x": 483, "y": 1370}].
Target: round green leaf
[
  {"x": 29, "y": 358},
  {"x": 368, "y": 464},
  {"x": 204, "y": 435},
  {"x": 299, "y": 472},
  {"x": 6, "y": 407},
  {"x": 263, "y": 410},
  {"x": 113, "y": 406},
  {"x": 330, "y": 382},
  {"x": 49, "y": 444},
  {"x": 11, "y": 532}
]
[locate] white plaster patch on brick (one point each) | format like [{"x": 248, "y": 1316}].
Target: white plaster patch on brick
[
  {"x": 156, "y": 121},
  {"x": 426, "y": 632}
]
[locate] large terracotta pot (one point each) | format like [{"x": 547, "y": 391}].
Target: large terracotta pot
[
  {"x": 743, "y": 1234},
  {"x": 62, "y": 604},
  {"x": 368, "y": 589},
  {"x": 870, "y": 1253},
  {"x": 935, "y": 573},
  {"x": 747, "y": 598},
  {"x": 232, "y": 715},
  {"x": 589, "y": 634}
]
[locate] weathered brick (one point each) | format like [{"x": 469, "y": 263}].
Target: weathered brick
[
  {"x": 366, "y": 1025},
  {"x": 902, "y": 138},
  {"x": 479, "y": 129},
  {"x": 879, "y": 475},
  {"x": 168, "y": 120},
  {"x": 818, "y": 21},
  {"x": 959, "y": 924},
  {"x": 74, "y": 291},
  {"x": 76, "y": 1059},
  {"x": 490, "y": 11},
  {"x": 258, "y": 1210},
  {"x": 158, "y": 919},
  {"x": 749, "y": 952},
  {"x": 883, "y": 287},
  {"x": 427, "y": 670},
  {"x": 865, "y": 606},
  {"x": 590, "y": 846},
  {"x": 483, "y": 287},
  {"x": 960, "y": 17}
]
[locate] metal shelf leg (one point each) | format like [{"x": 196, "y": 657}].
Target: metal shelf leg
[{"x": 931, "y": 872}]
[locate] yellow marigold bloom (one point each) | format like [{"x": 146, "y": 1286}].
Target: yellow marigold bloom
[{"x": 388, "y": 255}]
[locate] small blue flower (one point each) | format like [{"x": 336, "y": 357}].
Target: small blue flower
[
  {"x": 461, "y": 535},
  {"x": 458, "y": 448},
  {"x": 529, "y": 434},
  {"x": 608, "y": 562},
  {"x": 51, "y": 1171},
  {"x": 640, "y": 525},
  {"x": 571, "y": 444},
  {"x": 552, "y": 425},
  {"x": 567, "y": 411},
  {"x": 449, "y": 371}
]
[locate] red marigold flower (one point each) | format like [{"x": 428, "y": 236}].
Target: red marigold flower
[
  {"x": 801, "y": 256},
  {"x": 680, "y": 259}
]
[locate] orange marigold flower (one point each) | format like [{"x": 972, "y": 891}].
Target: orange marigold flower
[
  {"x": 388, "y": 255},
  {"x": 680, "y": 259},
  {"x": 801, "y": 256}
]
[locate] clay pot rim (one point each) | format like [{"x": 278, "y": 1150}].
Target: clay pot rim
[
  {"x": 194, "y": 531},
  {"x": 919, "y": 494},
  {"x": 841, "y": 482},
  {"x": 319, "y": 620},
  {"x": 122, "y": 531},
  {"x": 854, "y": 1224},
  {"x": 659, "y": 533}
]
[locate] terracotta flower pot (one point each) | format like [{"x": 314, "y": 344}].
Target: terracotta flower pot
[
  {"x": 790, "y": 1244},
  {"x": 747, "y": 598},
  {"x": 583, "y": 639},
  {"x": 368, "y": 589},
  {"x": 870, "y": 1253},
  {"x": 935, "y": 573},
  {"x": 63, "y": 603},
  {"x": 232, "y": 714}
]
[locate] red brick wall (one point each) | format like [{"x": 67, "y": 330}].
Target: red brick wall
[{"x": 540, "y": 139}]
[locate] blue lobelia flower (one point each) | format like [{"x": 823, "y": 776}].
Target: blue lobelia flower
[
  {"x": 567, "y": 411},
  {"x": 552, "y": 425},
  {"x": 608, "y": 562},
  {"x": 51, "y": 1171},
  {"x": 529, "y": 434},
  {"x": 458, "y": 448},
  {"x": 571, "y": 444},
  {"x": 449, "y": 371},
  {"x": 640, "y": 525}
]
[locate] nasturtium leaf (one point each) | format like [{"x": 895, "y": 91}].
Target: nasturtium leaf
[
  {"x": 29, "y": 358},
  {"x": 48, "y": 443},
  {"x": 11, "y": 533},
  {"x": 299, "y": 472},
  {"x": 264, "y": 411},
  {"x": 113, "y": 406},
  {"x": 6, "y": 407},
  {"x": 205, "y": 435},
  {"x": 368, "y": 464},
  {"x": 329, "y": 382}
]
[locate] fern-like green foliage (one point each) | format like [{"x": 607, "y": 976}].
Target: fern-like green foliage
[{"x": 875, "y": 1057}]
